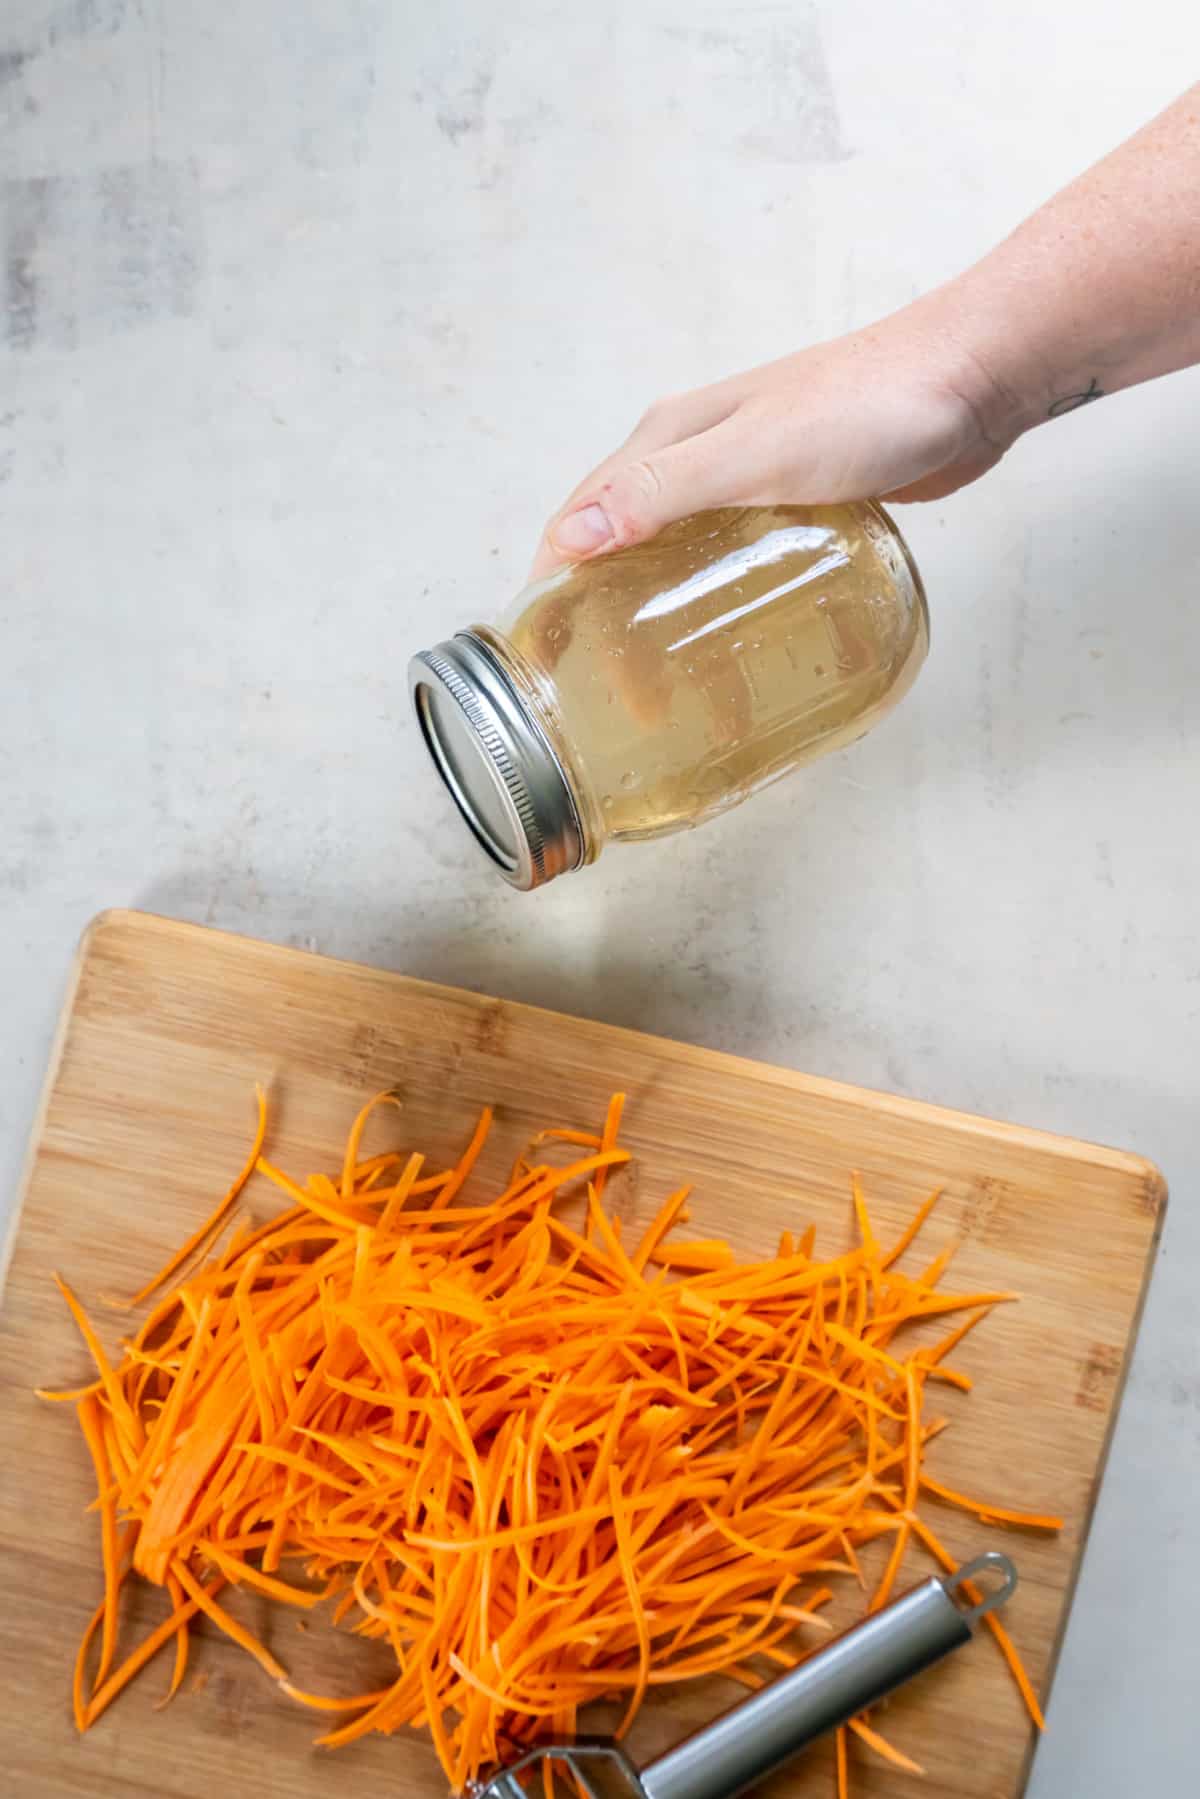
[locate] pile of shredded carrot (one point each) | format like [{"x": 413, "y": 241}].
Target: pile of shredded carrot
[{"x": 543, "y": 1465}]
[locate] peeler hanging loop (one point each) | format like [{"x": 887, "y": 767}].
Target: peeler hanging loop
[{"x": 959, "y": 1585}]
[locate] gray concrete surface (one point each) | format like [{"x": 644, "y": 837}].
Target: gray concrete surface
[{"x": 311, "y": 313}]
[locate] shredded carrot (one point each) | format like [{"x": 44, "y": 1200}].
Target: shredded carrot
[
  {"x": 89, "y": 1424},
  {"x": 882, "y": 1747},
  {"x": 78, "y": 1692},
  {"x": 991, "y": 1514},
  {"x": 182, "y": 1645},
  {"x": 215, "y": 1218},
  {"x": 538, "y": 1468},
  {"x": 610, "y": 1133}
]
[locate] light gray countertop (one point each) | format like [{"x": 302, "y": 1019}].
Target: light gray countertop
[{"x": 311, "y": 314}]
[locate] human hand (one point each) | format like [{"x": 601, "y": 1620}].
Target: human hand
[{"x": 899, "y": 411}]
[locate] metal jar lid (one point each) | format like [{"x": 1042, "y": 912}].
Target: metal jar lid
[{"x": 496, "y": 761}]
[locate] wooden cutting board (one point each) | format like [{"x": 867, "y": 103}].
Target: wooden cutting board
[{"x": 147, "y": 1110}]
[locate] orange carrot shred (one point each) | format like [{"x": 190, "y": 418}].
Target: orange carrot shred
[
  {"x": 78, "y": 1696},
  {"x": 991, "y": 1514},
  {"x": 843, "y": 1774},
  {"x": 89, "y": 1424},
  {"x": 182, "y": 1640},
  {"x": 882, "y": 1747},
  {"x": 608, "y": 1137},
  {"x": 216, "y": 1217}
]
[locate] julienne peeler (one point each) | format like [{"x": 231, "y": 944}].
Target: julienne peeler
[{"x": 756, "y": 1736}]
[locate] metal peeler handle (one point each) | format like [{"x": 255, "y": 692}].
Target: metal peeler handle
[{"x": 853, "y": 1672}]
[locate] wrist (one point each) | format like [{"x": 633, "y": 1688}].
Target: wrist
[{"x": 985, "y": 361}]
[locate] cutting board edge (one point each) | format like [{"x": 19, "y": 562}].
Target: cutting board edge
[
  {"x": 1075, "y": 1571},
  {"x": 1122, "y": 1161},
  {"x": 37, "y": 1124}
]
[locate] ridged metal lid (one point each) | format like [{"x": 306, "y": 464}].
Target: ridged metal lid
[{"x": 496, "y": 761}]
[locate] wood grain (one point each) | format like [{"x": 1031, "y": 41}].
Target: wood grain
[{"x": 147, "y": 1109}]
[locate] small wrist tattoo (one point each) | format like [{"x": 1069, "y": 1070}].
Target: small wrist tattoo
[{"x": 1070, "y": 402}]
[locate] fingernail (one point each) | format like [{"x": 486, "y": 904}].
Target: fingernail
[{"x": 581, "y": 531}]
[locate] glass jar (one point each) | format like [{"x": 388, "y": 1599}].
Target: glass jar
[{"x": 650, "y": 690}]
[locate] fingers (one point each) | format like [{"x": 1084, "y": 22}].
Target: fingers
[
  {"x": 633, "y": 498},
  {"x": 668, "y": 421}
]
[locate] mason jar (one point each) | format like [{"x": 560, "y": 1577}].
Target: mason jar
[{"x": 649, "y": 690}]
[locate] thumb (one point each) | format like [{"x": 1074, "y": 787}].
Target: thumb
[{"x": 636, "y": 500}]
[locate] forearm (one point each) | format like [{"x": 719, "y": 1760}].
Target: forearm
[{"x": 1098, "y": 290}]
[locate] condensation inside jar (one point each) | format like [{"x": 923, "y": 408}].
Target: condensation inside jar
[{"x": 683, "y": 675}]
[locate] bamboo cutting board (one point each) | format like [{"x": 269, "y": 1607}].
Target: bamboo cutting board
[{"x": 147, "y": 1111}]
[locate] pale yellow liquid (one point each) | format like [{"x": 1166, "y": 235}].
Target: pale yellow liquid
[{"x": 679, "y": 677}]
